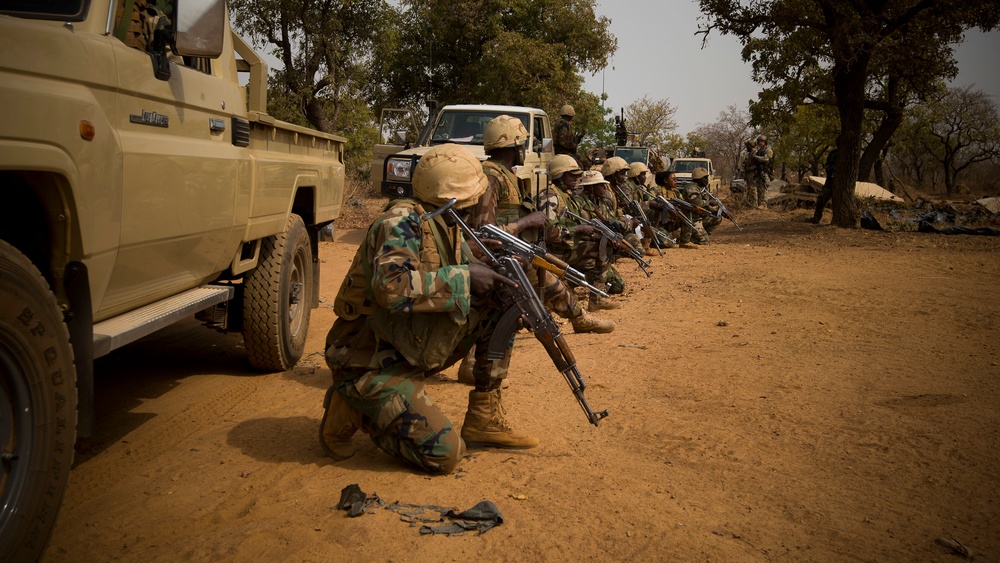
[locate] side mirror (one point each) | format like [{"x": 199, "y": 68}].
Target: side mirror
[
  {"x": 201, "y": 27},
  {"x": 401, "y": 137},
  {"x": 546, "y": 145}
]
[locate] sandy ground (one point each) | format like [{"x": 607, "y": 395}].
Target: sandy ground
[{"x": 790, "y": 392}]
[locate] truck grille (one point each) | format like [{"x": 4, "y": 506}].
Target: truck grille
[{"x": 241, "y": 132}]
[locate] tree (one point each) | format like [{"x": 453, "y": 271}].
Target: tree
[
  {"x": 650, "y": 121},
  {"x": 325, "y": 47},
  {"x": 494, "y": 51},
  {"x": 723, "y": 140},
  {"x": 809, "y": 138},
  {"x": 962, "y": 128},
  {"x": 795, "y": 42}
]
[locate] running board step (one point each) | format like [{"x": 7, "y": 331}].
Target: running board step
[{"x": 129, "y": 327}]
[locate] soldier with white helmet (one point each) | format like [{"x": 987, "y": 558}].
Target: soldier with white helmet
[
  {"x": 564, "y": 137},
  {"x": 412, "y": 304}
]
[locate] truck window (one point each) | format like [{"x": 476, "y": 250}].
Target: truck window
[
  {"x": 62, "y": 10},
  {"x": 137, "y": 31},
  {"x": 466, "y": 127}
]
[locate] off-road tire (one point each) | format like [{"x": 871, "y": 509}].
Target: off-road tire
[
  {"x": 37, "y": 407},
  {"x": 276, "y": 299}
]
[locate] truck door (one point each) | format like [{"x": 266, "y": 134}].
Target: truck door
[{"x": 181, "y": 176}]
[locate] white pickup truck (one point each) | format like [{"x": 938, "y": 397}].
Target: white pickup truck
[
  {"x": 141, "y": 183},
  {"x": 682, "y": 168},
  {"x": 393, "y": 163}
]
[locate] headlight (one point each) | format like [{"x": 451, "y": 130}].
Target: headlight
[{"x": 398, "y": 169}]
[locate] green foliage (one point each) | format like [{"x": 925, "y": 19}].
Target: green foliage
[
  {"x": 516, "y": 52},
  {"x": 830, "y": 52}
]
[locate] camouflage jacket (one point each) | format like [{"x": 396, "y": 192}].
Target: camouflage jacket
[
  {"x": 564, "y": 138},
  {"x": 409, "y": 283},
  {"x": 501, "y": 204},
  {"x": 559, "y": 233}
]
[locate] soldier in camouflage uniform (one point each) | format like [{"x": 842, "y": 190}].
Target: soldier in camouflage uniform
[
  {"x": 564, "y": 137},
  {"x": 505, "y": 205},
  {"x": 761, "y": 161},
  {"x": 414, "y": 303},
  {"x": 578, "y": 245},
  {"x": 694, "y": 194},
  {"x": 637, "y": 188},
  {"x": 596, "y": 201}
]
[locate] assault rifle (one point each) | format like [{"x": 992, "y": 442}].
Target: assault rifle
[
  {"x": 723, "y": 212},
  {"x": 522, "y": 303},
  {"x": 700, "y": 211},
  {"x": 609, "y": 235},
  {"x": 536, "y": 255},
  {"x": 671, "y": 208},
  {"x": 638, "y": 212}
]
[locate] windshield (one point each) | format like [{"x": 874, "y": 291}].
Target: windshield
[
  {"x": 62, "y": 10},
  {"x": 688, "y": 165},
  {"x": 632, "y": 155},
  {"x": 466, "y": 127}
]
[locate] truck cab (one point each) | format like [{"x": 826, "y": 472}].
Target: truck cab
[
  {"x": 393, "y": 164},
  {"x": 682, "y": 168}
]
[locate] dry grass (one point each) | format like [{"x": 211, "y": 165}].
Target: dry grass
[{"x": 362, "y": 204}]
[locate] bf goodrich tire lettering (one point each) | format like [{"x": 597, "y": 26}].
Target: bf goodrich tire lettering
[
  {"x": 37, "y": 408},
  {"x": 276, "y": 302}
]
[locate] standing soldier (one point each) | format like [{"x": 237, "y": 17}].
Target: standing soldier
[
  {"x": 761, "y": 159},
  {"x": 827, "y": 192},
  {"x": 564, "y": 136},
  {"x": 413, "y": 303}
]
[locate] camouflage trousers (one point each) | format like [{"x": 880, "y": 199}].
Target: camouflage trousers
[
  {"x": 557, "y": 297},
  {"x": 586, "y": 257},
  {"x": 396, "y": 411}
]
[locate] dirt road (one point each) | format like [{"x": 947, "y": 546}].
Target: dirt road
[{"x": 791, "y": 392}]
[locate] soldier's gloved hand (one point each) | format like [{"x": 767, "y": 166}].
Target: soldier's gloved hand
[
  {"x": 482, "y": 279},
  {"x": 533, "y": 220},
  {"x": 584, "y": 230}
]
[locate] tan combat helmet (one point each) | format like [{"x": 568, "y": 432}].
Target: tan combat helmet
[
  {"x": 562, "y": 164},
  {"x": 567, "y": 110},
  {"x": 699, "y": 174},
  {"x": 637, "y": 168},
  {"x": 503, "y": 131},
  {"x": 612, "y": 165},
  {"x": 762, "y": 137},
  {"x": 592, "y": 177},
  {"x": 449, "y": 171}
]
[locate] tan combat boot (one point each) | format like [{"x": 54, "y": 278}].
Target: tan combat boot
[
  {"x": 689, "y": 245},
  {"x": 486, "y": 423},
  {"x": 340, "y": 422},
  {"x": 598, "y": 303},
  {"x": 591, "y": 323}
]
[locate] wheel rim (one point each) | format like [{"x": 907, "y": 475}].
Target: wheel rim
[
  {"x": 296, "y": 299},
  {"x": 16, "y": 438}
]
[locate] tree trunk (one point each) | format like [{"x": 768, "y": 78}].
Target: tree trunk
[
  {"x": 890, "y": 123},
  {"x": 849, "y": 85}
]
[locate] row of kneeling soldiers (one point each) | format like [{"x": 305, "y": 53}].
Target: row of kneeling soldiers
[{"x": 418, "y": 299}]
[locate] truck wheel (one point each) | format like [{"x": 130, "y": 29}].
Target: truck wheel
[
  {"x": 276, "y": 299},
  {"x": 37, "y": 408}
]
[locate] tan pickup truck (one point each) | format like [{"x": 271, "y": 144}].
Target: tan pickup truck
[
  {"x": 140, "y": 183},
  {"x": 393, "y": 163}
]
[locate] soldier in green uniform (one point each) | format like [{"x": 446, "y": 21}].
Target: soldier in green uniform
[
  {"x": 596, "y": 201},
  {"x": 503, "y": 204},
  {"x": 414, "y": 303},
  {"x": 578, "y": 245},
  {"x": 564, "y": 137},
  {"x": 693, "y": 193},
  {"x": 761, "y": 159}
]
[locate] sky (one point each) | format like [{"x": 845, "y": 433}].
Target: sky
[{"x": 659, "y": 56}]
